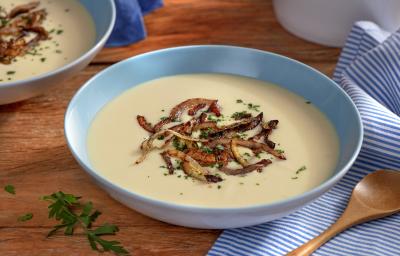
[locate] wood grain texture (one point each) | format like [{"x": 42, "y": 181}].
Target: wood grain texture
[
  {"x": 248, "y": 23},
  {"x": 35, "y": 159}
]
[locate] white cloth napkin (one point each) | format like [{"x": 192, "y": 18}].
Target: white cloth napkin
[{"x": 369, "y": 71}]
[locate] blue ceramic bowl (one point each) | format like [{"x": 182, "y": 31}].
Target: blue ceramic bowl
[
  {"x": 103, "y": 13},
  {"x": 290, "y": 74}
]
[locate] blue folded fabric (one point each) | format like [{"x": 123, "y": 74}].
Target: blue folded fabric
[
  {"x": 369, "y": 71},
  {"x": 129, "y": 26}
]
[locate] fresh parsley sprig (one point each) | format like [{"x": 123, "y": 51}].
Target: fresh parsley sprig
[{"x": 68, "y": 209}]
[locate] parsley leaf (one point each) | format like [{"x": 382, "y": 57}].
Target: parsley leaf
[
  {"x": 205, "y": 133},
  {"x": 10, "y": 189},
  {"x": 207, "y": 150},
  {"x": 253, "y": 107},
  {"x": 240, "y": 115},
  {"x": 71, "y": 212},
  {"x": 178, "y": 144},
  {"x": 25, "y": 217},
  {"x": 303, "y": 168}
]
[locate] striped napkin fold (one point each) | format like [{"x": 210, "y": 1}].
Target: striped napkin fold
[{"x": 369, "y": 71}]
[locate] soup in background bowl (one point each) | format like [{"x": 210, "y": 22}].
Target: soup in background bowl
[
  {"x": 319, "y": 130},
  {"x": 59, "y": 38}
]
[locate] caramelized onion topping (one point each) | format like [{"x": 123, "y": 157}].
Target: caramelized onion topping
[
  {"x": 16, "y": 26},
  {"x": 213, "y": 146}
]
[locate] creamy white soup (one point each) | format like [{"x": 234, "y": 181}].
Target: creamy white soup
[
  {"x": 303, "y": 135},
  {"x": 71, "y": 32}
]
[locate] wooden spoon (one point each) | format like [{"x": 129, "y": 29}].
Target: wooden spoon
[{"x": 377, "y": 195}]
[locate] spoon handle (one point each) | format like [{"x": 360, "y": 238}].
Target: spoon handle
[
  {"x": 309, "y": 247},
  {"x": 354, "y": 214}
]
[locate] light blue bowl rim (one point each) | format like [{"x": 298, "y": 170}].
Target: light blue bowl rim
[
  {"x": 76, "y": 61},
  {"x": 317, "y": 190}
]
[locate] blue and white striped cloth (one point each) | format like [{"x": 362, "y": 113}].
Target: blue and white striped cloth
[{"x": 369, "y": 71}]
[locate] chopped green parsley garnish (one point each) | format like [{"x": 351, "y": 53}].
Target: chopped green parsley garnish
[
  {"x": 60, "y": 31},
  {"x": 42, "y": 59},
  {"x": 163, "y": 118},
  {"x": 161, "y": 137},
  {"x": 3, "y": 21},
  {"x": 214, "y": 118},
  {"x": 239, "y": 115},
  {"x": 303, "y": 168},
  {"x": 219, "y": 186},
  {"x": 204, "y": 133},
  {"x": 239, "y": 101},
  {"x": 178, "y": 144},
  {"x": 242, "y": 135},
  {"x": 280, "y": 151},
  {"x": 10, "y": 72},
  {"x": 308, "y": 102},
  {"x": 178, "y": 165},
  {"x": 253, "y": 107},
  {"x": 207, "y": 150},
  {"x": 220, "y": 147}
]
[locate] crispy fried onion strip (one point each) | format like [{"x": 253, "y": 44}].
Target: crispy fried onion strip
[
  {"x": 240, "y": 126},
  {"x": 192, "y": 168},
  {"x": 144, "y": 124},
  {"x": 249, "y": 168},
  {"x": 253, "y": 145},
  {"x": 179, "y": 109},
  {"x": 24, "y": 8},
  {"x": 148, "y": 145}
]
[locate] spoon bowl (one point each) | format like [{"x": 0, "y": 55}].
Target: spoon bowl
[{"x": 380, "y": 190}]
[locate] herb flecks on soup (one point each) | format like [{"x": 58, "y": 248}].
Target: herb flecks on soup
[
  {"x": 204, "y": 148},
  {"x": 41, "y": 36},
  {"x": 303, "y": 135},
  {"x": 21, "y": 29}
]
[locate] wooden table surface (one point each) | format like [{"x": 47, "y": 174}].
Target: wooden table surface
[{"x": 35, "y": 159}]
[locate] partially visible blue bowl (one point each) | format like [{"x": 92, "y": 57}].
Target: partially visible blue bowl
[
  {"x": 103, "y": 13},
  {"x": 290, "y": 74}
]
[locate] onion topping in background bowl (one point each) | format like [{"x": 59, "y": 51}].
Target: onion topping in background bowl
[
  {"x": 44, "y": 42},
  {"x": 20, "y": 30}
]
